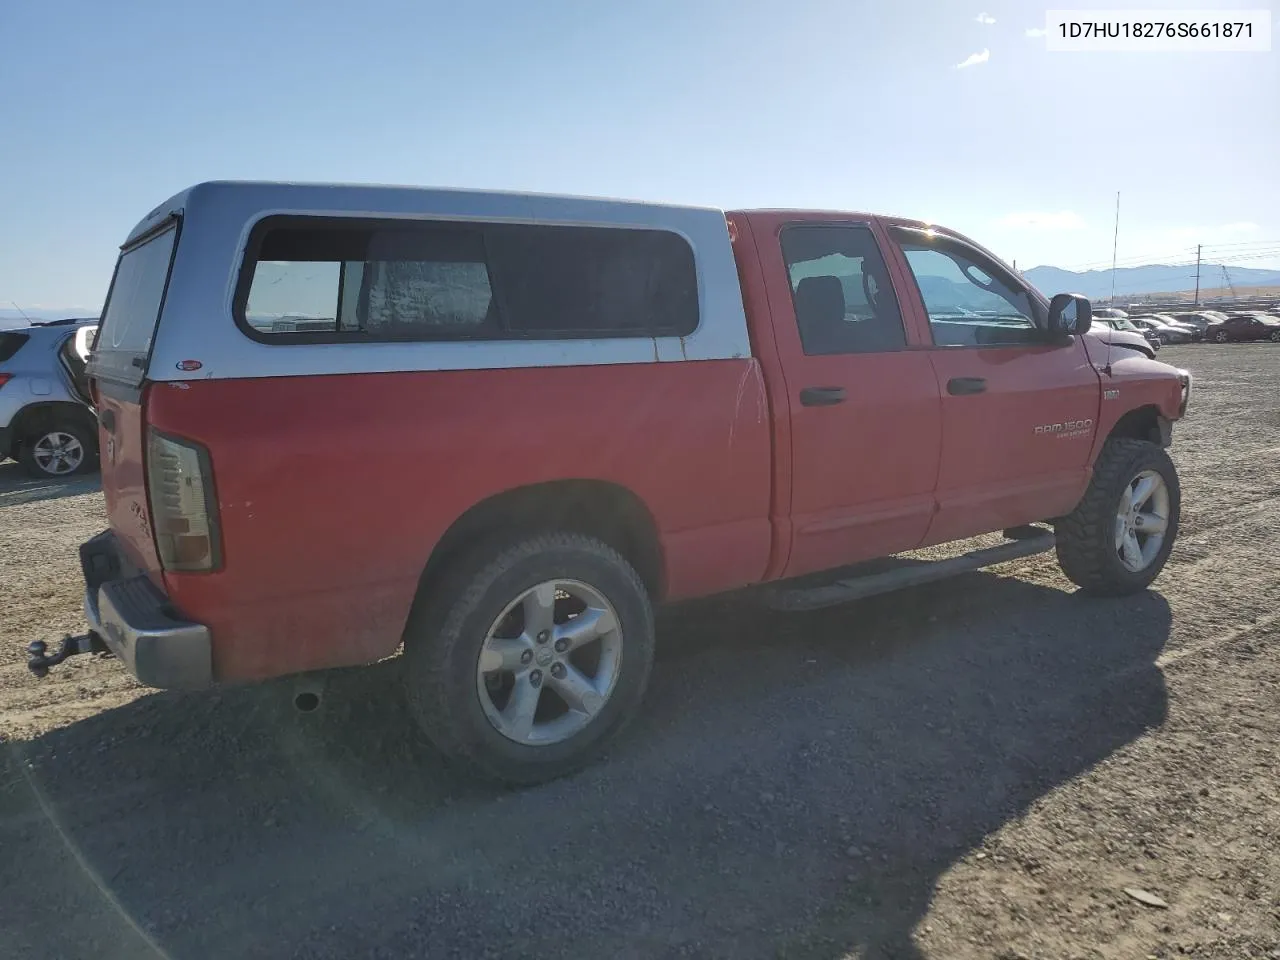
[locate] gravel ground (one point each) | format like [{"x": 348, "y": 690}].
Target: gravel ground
[{"x": 974, "y": 769}]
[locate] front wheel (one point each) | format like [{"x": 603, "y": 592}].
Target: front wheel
[
  {"x": 1275, "y": 337},
  {"x": 527, "y": 659},
  {"x": 1118, "y": 538},
  {"x": 1221, "y": 336}
]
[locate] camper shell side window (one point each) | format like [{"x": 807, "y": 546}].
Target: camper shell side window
[{"x": 325, "y": 279}]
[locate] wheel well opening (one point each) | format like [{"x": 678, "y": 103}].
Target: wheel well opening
[
  {"x": 607, "y": 511},
  {"x": 36, "y": 417},
  {"x": 1142, "y": 423}
]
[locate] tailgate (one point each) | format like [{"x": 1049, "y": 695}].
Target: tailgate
[{"x": 122, "y": 438}]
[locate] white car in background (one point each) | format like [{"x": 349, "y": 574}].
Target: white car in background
[{"x": 47, "y": 422}]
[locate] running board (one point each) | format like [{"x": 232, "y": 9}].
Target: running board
[{"x": 855, "y": 588}]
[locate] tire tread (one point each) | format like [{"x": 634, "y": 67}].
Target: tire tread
[
  {"x": 435, "y": 630},
  {"x": 1083, "y": 535}
]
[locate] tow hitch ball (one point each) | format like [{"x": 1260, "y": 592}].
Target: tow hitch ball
[{"x": 39, "y": 662}]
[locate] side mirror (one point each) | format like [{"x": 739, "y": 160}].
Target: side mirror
[{"x": 1069, "y": 313}]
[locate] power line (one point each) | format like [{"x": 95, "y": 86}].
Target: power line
[
  {"x": 1182, "y": 259},
  {"x": 1242, "y": 243},
  {"x": 1184, "y": 255},
  {"x": 1144, "y": 260}
]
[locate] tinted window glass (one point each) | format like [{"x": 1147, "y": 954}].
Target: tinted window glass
[
  {"x": 10, "y": 343},
  {"x": 969, "y": 303},
  {"x": 442, "y": 281},
  {"x": 843, "y": 298},
  {"x": 593, "y": 280}
]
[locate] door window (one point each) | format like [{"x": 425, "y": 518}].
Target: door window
[
  {"x": 969, "y": 300},
  {"x": 843, "y": 298}
]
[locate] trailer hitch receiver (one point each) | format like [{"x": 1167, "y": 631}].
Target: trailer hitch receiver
[{"x": 39, "y": 660}]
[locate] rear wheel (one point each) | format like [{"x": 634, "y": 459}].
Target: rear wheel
[
  {"x": 1275, "y": 336},
  {"x": 1118, "y": 538},
  {"x": 62, "y": 450},
  {"x": 1221, "y": 336},
  {"x": 529, "y": 657}
]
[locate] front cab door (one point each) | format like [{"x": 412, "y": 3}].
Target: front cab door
[
  {"x": 862, "y": 403},
  {"x": 1019, "y": 412}
]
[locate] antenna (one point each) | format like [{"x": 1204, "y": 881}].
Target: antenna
[
  {"x": 1115, "y": 248},
  {"x": 21, "y": 311}
]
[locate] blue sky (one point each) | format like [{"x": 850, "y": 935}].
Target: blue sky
[{"x": 107, "y": 109}]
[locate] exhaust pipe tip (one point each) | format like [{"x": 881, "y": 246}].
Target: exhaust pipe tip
[
  {"x": 306, "y": 701},
  {"x": 308, "y": 694}
]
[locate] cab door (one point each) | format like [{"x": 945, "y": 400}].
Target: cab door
[
  {"x": 1019, "y": 412},
  {"x": 862, "y": 404}
]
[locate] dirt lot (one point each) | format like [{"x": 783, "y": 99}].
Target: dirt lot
[{"x": 973, "y": 769}]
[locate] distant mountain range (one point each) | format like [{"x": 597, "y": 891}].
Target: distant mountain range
[{"x": 1153, "y": 278}]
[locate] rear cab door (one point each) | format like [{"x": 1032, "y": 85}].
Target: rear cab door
[
  {"x": 855, "y": 400},
  {"x": 116, "y": 373},
  {"x": 1019, "y": 412}
]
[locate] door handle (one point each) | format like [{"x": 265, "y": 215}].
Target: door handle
[
  {"x": 821, "y": 396},
  {"x": 959, "y": 386}
]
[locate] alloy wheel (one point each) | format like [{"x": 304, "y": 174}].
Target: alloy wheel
[
  {"x": 1142, "y": 520},
  {"x": 549, "y": 662},
  {"x": 58, "y": 453}
]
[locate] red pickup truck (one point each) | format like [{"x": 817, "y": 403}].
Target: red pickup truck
[{"x": 498, "y": 428}]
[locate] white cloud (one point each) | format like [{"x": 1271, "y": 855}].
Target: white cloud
[
  {"x": 1036, "y": 31},
  {"x": 1220, "y": 233},
  {"x": 985, "y": 18},
  {"x": 974, "y": 59},
  {"x": 1039, "y": 220}
]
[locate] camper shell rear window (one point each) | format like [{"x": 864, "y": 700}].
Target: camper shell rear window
[
  {"x": 313, "y": 279},
  {"x": 133, "y": 306}
]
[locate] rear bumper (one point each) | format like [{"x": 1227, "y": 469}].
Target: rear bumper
[
  {"x": 6, "y": 441},
  {"x": 135, "y": 620}
]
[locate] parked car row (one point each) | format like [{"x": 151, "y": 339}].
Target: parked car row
[
  {"x": 1245, "y": 326},
  {"x": 1192, "y": 327},
  {"x": 46, "y": 421}
]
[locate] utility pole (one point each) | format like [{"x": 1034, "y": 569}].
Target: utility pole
[{"x": 1197, "y": 303}]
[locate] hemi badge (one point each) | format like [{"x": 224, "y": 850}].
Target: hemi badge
[{"x": 189, "y": 364}]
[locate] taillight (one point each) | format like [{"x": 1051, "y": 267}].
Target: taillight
[
  {"x": 184, "y": 509},
  {"x": 5, "y": 378}
]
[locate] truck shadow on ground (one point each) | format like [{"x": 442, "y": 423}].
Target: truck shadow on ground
[
  {"x": 795, "y": 786},
  {"x": 17, "y": 486}
]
